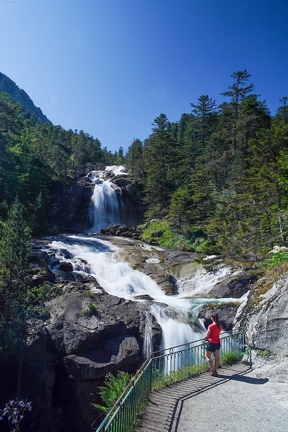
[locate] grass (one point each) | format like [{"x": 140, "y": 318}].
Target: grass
[
  {"x": 190, "y": 371},
  {"x": 275, "y": 260},
  {"x": 159, "y": 232},
  {"x": 91, "y": 310}
]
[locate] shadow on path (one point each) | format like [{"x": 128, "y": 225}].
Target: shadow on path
[
  {"x": 222, "y": 378},
  {"x": 164, "y": 408}
]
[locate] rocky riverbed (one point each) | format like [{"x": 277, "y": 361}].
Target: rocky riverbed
[{"x": 87, "y": 333}]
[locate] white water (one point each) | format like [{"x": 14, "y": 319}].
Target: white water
[
  {"x": 105, "y": 208},
  {"x": 148, "y": 344},
  {"x": 176, "y": 315},
  {"x": 202, "y": 281},
  {"x": 100, "y": 259}
]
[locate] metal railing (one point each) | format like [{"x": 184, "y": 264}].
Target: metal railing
[{"x": 159, "y": 370}]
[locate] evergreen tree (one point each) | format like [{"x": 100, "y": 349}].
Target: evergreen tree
[
  {"x": 267, "y": 181},
  {"x": 282, "y": 112},
  {"x": 14, "y": 251},
  {"x": 205, "y": 114},
  {"x": 134, "y": 159},
  {"x": 179, "y": 209},
  {"x": 158, "y": 164},
  {"x": 237, "y": 92}
]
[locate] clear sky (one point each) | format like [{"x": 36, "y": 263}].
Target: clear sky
[{"x": 110, "y": 67}]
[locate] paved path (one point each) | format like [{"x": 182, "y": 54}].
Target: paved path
[{"x": 239, "y": 399}]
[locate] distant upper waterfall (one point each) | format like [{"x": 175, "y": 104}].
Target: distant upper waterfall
[{"x": 105, "y": 208}]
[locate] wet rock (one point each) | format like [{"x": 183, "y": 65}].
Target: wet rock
[
  {"x": 226, "y": 312},
  {"x": 233, "y": 286}
]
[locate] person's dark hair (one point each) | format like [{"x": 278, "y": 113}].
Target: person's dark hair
[{"x": 215, "y": 318}]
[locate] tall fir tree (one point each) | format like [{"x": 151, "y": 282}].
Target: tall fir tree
[{"x": 14, "y": 285}]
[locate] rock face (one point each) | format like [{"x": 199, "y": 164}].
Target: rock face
[
  {"x": 265, "y": 313},
  {"x": 71, "y": 202},
  {"x": 86, "y": 334},
  {"x": 233, "y": 286}
]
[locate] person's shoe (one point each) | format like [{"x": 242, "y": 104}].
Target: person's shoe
[{"x": 212, "y": 373}]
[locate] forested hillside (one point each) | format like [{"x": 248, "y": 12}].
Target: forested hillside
[
  {"x": 219, "y": 174},
  {"x": 22, "y": 98},
  {"x": 216, "y": 181},
  {"x": 35, "y": 157}
]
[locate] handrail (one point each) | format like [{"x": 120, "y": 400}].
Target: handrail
[{"x": 163, "y": 368}]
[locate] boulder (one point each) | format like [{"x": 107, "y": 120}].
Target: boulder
[
  {"x": 233, "y": 286},
  {"x": 265, "y": 313}
]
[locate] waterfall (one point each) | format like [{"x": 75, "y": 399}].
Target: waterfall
[
  {"x": 177, "y": 315},
  {"x": 179, "y": 329},
  {"x": 148, "y": 345},
  {"x": 105, "y": 208},
  {"x": 202, "y": 281},
  {"x": 119, "y": 279}
]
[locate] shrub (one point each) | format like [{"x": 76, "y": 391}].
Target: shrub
[
  {"x": 275, "y": 260},
  {"x": 112, "y": 390}
]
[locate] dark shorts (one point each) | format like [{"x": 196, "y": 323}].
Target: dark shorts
[{"x": 213, "y": 347}]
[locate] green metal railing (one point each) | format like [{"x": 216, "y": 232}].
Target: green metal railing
[{"x": 159, "y": 370}]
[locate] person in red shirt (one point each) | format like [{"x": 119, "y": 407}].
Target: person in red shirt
[{"x": 213, "y": 345}]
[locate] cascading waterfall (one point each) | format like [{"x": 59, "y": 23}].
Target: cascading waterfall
[
  {"x": 176, "y": 315},
  {"x": 148, "y": 344},
  {"x": 105, "y": 208},
  {"x": 100, "y": 258}
]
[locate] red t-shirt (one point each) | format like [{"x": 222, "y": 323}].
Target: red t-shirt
[{"x": 214, "y": 336}]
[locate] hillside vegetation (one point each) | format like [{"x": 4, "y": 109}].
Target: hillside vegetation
[{"x": 218, "y": 177}]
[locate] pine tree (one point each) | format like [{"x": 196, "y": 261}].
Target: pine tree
[
  {"x": 158, "y": 160},
  {"x": 14, "y": 251},
  {"x": 134, "y": 159}
]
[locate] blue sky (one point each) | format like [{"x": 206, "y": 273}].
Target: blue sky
[{"x": 110, "y": 67}]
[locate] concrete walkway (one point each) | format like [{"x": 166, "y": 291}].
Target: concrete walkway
[{"x": 239, "y": 399}]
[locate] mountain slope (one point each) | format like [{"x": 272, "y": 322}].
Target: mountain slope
[{"x": 21, "y": 97}]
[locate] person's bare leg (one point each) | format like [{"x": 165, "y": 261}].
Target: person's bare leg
[
  {"x": 217, "y": 359},
  {"x": 209, "y": 360}
]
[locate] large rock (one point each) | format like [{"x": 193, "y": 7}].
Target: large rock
[
  {"x": 265, "y": 313},
  {"x": 233, "y": 286},
  {"x": 70, "y": 204},
  {"x": 86, "y": 334}
]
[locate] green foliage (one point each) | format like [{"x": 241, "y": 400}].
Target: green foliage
[
  {"x": 264, "y": 353},
  {"x": 91, "y": 310},
  {"x": 223, "y": 168},
  {"x": 160, "y": 233},
  {"x": 193, "y": 370},
  {"x": 275, "y": 260},
  {"x": 20, "y": 301},
  {"x": 36, "y": 156},
  {"x": 14, "y": 284},
  {"x": 112, "y": 390},
  {"x": 134, "y": 159},
  {"x": 158, "y": 162},
  {"x": 35, "y": 300},
  {"x": 231, "y": 358},
  {"x": 179, "y": 213}
]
